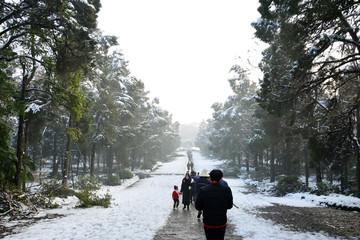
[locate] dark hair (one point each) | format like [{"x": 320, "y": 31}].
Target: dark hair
[
  {"x": 216, "y": 175},
  {"x": 175, "y": 187}
]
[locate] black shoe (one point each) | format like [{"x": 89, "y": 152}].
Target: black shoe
[
  {"x": 199, "y": 215},
  {"x": 184, "y": 208}
]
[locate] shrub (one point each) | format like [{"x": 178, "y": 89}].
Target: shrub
[
  {"x": 231, "y": 172},
  {"x": 54, "y": 188},
  {"x": 257, "y": 176},
  {"x": 142, "y": 175},
  {"x": 87, "y": 194},
  {"x": 125, "y": 174},
  {"x": 352, "y": 191},
  {"x": 111, "y": 180},
  {"x": 149, "y": 164},
  {"x": 325, "y": 189},
  {"x": 89, "y": 183},
  {"x": 288, "y": 184},
  {"x": 89, "y": 199}
]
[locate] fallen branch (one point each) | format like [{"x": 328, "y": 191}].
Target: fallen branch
[{"x": 7, "y": 212}]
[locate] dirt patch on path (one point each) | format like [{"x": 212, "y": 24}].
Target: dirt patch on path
[
  {"x": 334, "y": 222},
  {"x": 184, "y": 225}
]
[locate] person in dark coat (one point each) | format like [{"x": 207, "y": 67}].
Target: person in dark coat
[
  {"x": 186, "y": 191},
  {"x": 223, "y": 182},
  {"x": 214, "y": 200},
  {"x": 193, "y": 186},
  {"x": 202, "y": 181}
]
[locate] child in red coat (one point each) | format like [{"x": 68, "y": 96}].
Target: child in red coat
[{"x": 175, "y": 196}]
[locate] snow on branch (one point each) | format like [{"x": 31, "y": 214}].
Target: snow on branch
[{"x": 35, "y": 107}]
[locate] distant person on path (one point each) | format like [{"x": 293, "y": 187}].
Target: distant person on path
[
  {"x": 189, "y": 166},
  {"x": 186, "y": 191},
  {"x": 175, "y": 196},
  {"x": 203, "y": 181},
  {"x": 189, "y": 155},
  {"x": 193, "y": 186},
  {"x": 189, "y": 162},
  {"x": 214, "y": 200}
]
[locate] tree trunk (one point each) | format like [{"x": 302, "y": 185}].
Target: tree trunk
[
  {"x": 117, "y": 160},
  {"x": 132, "y": 161},
  {"x": 272, "y": 165},
  {"x": 20, "y": 134},
  {"x": 307, "y": 170},
  {"x": 41, "y": 161},
  {"x": 67, "y": 160},
  {"x": 318, "y": 173},
  {"x": 239, "y": 160},
  {"x": 247, "y": 162},
  {"x": 330, "y": 176},
  {"x": 104, "y": 161},
  {"x": 346, "y": 174},
  {"x": 26, "y": 79},
  {"x": 261, "y": 164},
  {"x": 110, "y": 163},
  {"x": 92, "y": 159},
  {"x": 55, "y": 165},
  {"x": 256, "y": 163},
  {"x": 357, "y": 149},
  {"x": 78, "y": 163},
  {"x": 85, "y": 160},
  {"x": 98, "y": 162}
]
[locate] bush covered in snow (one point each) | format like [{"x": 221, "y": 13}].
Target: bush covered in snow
[
  {"x": 323, "y": 188},
  {"x": 111, "y": 180},
  {"x": 54, "y": 188},
  {"x": 125, "y": 174},
  {"x": 88, "y": 193},
  {"x": 288, "y": 184}
]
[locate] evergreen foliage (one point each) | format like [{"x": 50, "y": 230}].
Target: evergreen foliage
[
  {"x": 88, "y": 194},
  {"x": 306, "y": 116},
  {"x": 69, "y": 104},
  {"x": 53, "y": 188},
  {"x": 288, "y": 184}
]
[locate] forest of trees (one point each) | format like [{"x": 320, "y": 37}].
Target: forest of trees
[
  {"x": 303, "y": 118},
  {"x": 67, "y": 100}
]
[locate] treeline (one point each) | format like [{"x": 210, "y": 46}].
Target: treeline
[
  {"x": 304, "y": 117},
  {"x": 67, "y": 99}
]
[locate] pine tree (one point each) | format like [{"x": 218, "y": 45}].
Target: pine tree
[
  {"x": 61, "y": 30},
  {"x": 312, "y": 59}
]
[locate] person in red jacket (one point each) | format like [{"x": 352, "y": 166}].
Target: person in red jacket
[{"x": 175, "y": 196}]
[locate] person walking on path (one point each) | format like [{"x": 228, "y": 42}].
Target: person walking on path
[
  {"x": 214, "y": 200},
  {"x": 202, "y": 181},
  {"x": 193, "y": 186},
  {"x": 175, "y": 196},
  {"x": 186, "y": 191}
]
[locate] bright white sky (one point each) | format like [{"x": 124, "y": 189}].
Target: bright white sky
[{"x": 183, "y": 50}]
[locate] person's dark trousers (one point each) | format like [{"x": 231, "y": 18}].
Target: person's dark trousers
[
  {"x": 176, "y": 203},
  {"x": 215, "y": 233}
]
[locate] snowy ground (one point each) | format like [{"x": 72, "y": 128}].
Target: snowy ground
[{"x": 138, "y": 211}]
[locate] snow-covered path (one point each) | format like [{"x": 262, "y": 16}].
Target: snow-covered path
[{"x": 137, "y": 212}]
